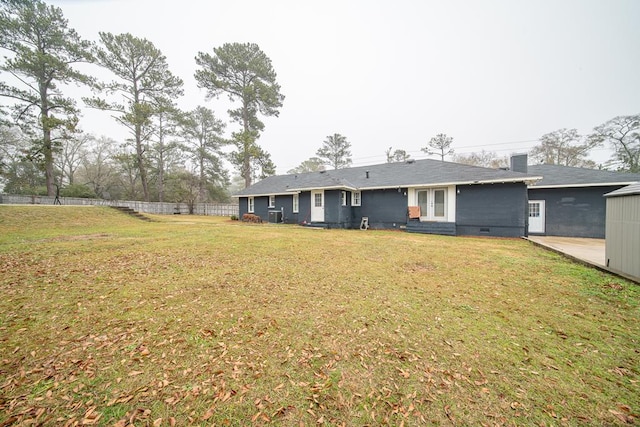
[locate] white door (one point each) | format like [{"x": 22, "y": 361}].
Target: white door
[
  {"x": 536, "y": 216},
  {"x": 433, "y": 204},
  {"x": 317, "y": 206}
]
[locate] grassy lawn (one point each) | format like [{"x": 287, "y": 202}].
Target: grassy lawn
[{"x": 108, "y": 320}]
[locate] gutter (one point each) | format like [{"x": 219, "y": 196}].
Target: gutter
[
  {"x": 595, "y": 184},
  {"x": 259, "y": 195},
  {"x": 446, "y": 184},
  {"x": 335, "y": 187},
  {"x": 526, "y": 180}
]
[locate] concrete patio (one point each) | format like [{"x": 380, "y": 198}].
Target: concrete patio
[{"x": 589, "y": 251}]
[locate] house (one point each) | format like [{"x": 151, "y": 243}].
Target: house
[
  {"x": 622, "y": 245},
  {"x": 568, "y": 201},
  {"x": 424, "y": 196}
]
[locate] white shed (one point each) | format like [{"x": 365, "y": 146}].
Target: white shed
[{"x": 622, "y": 232}]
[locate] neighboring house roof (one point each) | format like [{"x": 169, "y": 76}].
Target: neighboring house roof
[
  {"x": 567, "y": 176},
  {"x": 412, "y": 173},
  {"x": 625, "y": 191}
]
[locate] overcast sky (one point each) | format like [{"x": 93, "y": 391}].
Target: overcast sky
[{"x": 494, "y": 75}]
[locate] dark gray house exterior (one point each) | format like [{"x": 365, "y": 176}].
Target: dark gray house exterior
[
  {"x": 424, "y": 196},
  {"x": 569, "y": 201}
]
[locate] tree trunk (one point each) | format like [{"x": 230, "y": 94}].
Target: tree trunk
[
  {"x": 201, "y": 180},
  {"x": 141, "y": 165},
  {"x": 47, "y": 150},
  {"x": 48, "y": 163},
  {"x": 161, "y": 175},
  {"x": 139, "y": 149},
  {"x": 160, "y": 161},
  {"x": 246, "y": 155},
  {"x": 246, "y": 166}
]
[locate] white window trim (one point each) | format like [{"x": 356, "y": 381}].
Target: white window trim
[
  {"x": 272, "y": 201},
  {"x": 296, "y": 203},
  {"x": 450, "y": 202},
  {"x": 355, "y": 202},
  {"x": 250, "y": 205},
  {"x": 343, "y": 198}
]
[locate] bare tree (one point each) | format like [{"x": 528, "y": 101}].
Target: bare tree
[
  {"x": 10, "y": 140},
  {"x": 128, "y": 173},
  {"x": 97, "y": 169},
  {"x": 71, "y": 156},
  {"x": 565, "y": 147},
  {"x": 623, "y": 133},
  {"x": 486, "y": 159},
  {"x": 18, "y": 173}
]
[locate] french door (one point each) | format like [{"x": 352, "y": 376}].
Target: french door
[{"x": 433, "y": 204}]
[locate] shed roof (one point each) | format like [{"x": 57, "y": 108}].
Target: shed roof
[
  {"x": 625, "y": 191},
  {"x": 567, "y": 176},
  {"x": 413, "y": 173}
]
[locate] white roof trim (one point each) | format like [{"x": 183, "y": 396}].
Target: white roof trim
[
  {"x": 446, "y": 184},
  {"x": 260, "y": 195},
  {"x": 334, "y": 187},
  {"x": 526, "y": 180},
  {"x": 594, "y": 184}
]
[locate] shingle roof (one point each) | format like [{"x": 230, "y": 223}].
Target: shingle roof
[
  {"x": 625, "y": 191},
  {"x": 386, "y": 175},
  {"x": 566, "y": 176}
]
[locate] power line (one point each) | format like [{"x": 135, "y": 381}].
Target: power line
[
  {"x": 500, "y": 143},
  {"x": 419, "y": 154}
]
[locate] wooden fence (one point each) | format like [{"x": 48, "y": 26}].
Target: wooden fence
[{"x": 162, "y": 208}]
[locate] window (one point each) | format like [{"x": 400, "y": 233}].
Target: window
[
  {"x": 438, "y": 209},
  {"x": 296, "y": 203},
  {"x": 534, "y": 210},
  {"x": 423, "y": 202},
  {"x": 250, "y": 205},
  {"x": 317, "y": 200},
  {"x": 355, "y": 198},
  {"x": 343, "y": 196},
  {"x": 272, "y": 201}
]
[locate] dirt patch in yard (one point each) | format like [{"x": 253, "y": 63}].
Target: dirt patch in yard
[{"x": 77, "y": 238}]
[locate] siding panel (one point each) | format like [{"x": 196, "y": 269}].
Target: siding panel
[
  {"x": 385, "y": 208},
  {"x": 261, "y": 207},
  {"x": 623, "y": 234},
  {"x": 491, "y": 210},
  {"x": 304, "y": 215},
  {"x": 336, "y": 215},
  {"x": 574, "y": 212},
  {"x": 284, "y": 204}
]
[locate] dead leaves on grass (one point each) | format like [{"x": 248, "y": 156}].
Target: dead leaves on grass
[
  {"x": 340, "y": 380},
  {"x": 624, "y": 414},
  {"x": 206, "y": 344}
]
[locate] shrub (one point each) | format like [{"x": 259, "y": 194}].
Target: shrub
[
  {"x": 251, "y": 218},
  {"x": 77, "y": 190}
]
